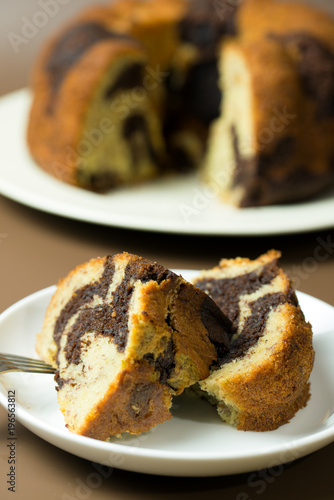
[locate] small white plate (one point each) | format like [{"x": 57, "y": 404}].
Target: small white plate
[
  {"x": 175, "y": 205},
  {"x": 195, "y": 442}
]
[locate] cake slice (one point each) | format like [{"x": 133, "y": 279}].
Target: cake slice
[
  {"x": 263, "y": 380},
  {"x": 127, "y": 334}
]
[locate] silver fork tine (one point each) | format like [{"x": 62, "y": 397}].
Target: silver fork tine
[
  {"x": 22, "y": 359},
  {"x": 13, "y": 362}
]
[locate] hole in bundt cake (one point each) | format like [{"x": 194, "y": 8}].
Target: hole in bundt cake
[
  {"x": 131, "y": 77},
  {"x": 136, "y": 133}
]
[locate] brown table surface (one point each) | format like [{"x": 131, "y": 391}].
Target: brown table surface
[{"x": 37, "y": 249}]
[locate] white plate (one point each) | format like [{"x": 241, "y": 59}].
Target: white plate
[
  {"x": 195, "y": 442},
  {"x": 181, "y": 205}
]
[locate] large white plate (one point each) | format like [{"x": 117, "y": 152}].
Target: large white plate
[
  {"x": 181, "y": 205},
  {"x": 195, "y": 442}
]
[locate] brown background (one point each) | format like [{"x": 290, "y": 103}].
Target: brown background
[{"x": 37, "y": 248}]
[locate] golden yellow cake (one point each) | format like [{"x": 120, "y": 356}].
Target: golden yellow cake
[
  {"x": 126, "y": 335},
  {"x": 264, "y": 378},
  {"x": 243, "y": 91}
]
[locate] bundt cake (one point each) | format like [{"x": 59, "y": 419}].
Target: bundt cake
[
  {"x": 242, "y": 91},
  {"x": 127, "y": 334},
  {"x": 263, "y": 379}
]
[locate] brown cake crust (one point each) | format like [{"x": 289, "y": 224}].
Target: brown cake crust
[{"x": 260, "y": 17}]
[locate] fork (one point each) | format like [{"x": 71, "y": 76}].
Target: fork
[{"x": 14, "y": 363}]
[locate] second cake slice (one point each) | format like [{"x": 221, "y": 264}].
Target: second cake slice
[
  {"x": 127, "y": 334},
  {"x": 264, "y": 379}
]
